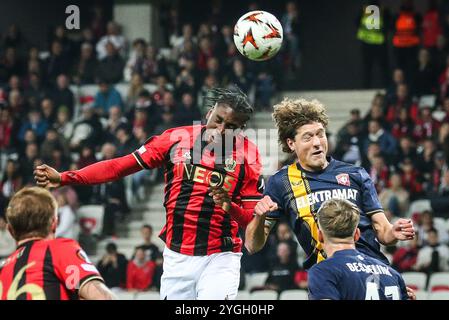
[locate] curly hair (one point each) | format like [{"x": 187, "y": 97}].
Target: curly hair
[
  {"x": 235, "y": 98},
  {"x": 289, "y": 115}
]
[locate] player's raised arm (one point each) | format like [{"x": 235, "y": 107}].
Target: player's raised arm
[
  {"x": 96, "y": 290},
  {"x": 258, "y": 230},
  {"x": 100, "y": 172}
]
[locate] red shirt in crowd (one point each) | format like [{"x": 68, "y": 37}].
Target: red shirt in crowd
[{"x": 140, "y": 277}]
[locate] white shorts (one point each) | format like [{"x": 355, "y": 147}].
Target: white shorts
[{"x": 213, "y": 277}]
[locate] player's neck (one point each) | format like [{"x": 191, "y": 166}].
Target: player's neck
[
  {"x": 49, "y": 237},
  {"x": 331, "y": 248}
]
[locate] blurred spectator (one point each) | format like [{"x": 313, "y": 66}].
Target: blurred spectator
[
  {"x": 425, "y": 161},
  {"x": 404, "y": 258},
  {"x": 161, "y": 88},
  {"x": 265, "y": 90},
  {"x": 403, "y": 126},
  {"x": 285, "y": 235},
  {"x": 395, "y": 198},
  {"x": 85, "y": 70},
  {"x": 140, "y": 272},
  {"x": 411, "y": 179},
  {"x": 167, "y": 122},
  {"x": 427, "y": 222},
  {"x": 239, "y": 77},
  {"x": 433, "y": 257},
  {"x": 57, "y": 63},
  {"x": 154, "y": 65},
  {"x": 106, "y": 97},
  {"x": 397, "y": 79},
  {"x": 16, "y": 104},
  {"x": 8, "y": 130},
  {"x": 113, "y": 37},
  {"x": 63, "y": 125},
  {"x": 10, "y": 64},
  {"x": 111, "y": 196},
  {"x": 281, "y": 275},
  {"x": 35, "y": 91},
  {"x": 112, "y": 267},
  {"x": 14, "y": 38},
  {"x": 62, "y": 96},
  {"x": 187, "y": 112},
  {"x": 424, "y": 77},
  {"x": 426, "y": 126},
  {"x": 373, "y": 44},
  {"x": 205, "y": 53},
  {"x": 87, "y": 130},
  {"x": 406, "y": 37},
  {"x": 12, "y": 179},
  {"x": 406, "y": 149},
  {"x": 54, "y": 142},
  {"x": 7, "y": 242},
  {"x": 48, "y": 112},
  {"x": 35, "y": 123},
  {"x": 66, "y": 219},
  {"x": 125, "y": 141},
  {"x": 135, "y": 87},
  {"x": 377, "y": 134},
  {"x": 376, "y": 113},
  {"x": 26, "y": 163},
  {"x": 185, "y": 83},
  {"x": 431, "y": 28},
  {"x": 291, "y": 27},
  {"x": 379, "y": 172},
  {"x": 402, "y": 99},
  {"x": 178, "y": 42},
  {"x": 136, "y": 59},
  {"x": 110, "y": 67},
  {"x": 152, "y": 252},
  {"x": 115, "y": 120},
  {"x": 349, "y": 144}
]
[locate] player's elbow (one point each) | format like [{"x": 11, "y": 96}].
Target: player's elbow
[{"x": 252, "y": 248}]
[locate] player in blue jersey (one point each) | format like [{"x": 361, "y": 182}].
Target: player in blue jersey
[
  {"x": 297, "y": 191},
  {"x": 348, "y": 274}
]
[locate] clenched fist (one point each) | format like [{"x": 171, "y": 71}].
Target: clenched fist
[
  {"x": 47, "y": 177},
  {"x": 264, "y": 206}
]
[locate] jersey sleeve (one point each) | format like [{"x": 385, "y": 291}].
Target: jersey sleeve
[
  {"x": 402, "y": 288},
  {"x": 154, "y": 152},
  {"x": 322, "y": 284},
  {"x": 72, "y": 265},
  {"x": 370, "y": 200},
  {"x": 273, "y": 190}
]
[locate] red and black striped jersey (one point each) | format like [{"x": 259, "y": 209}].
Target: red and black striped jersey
[
  {"x": 194, "y": 224},
  {"x": 46, "y": 270}
]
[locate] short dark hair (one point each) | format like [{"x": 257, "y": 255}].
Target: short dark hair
[
  {"x": 233, "y": 97},
  {"x": 147, "y": 226},
  {"x": 111, "y": 247}
]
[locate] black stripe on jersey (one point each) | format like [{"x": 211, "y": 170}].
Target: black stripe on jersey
[
  {"x": 203, "y": 226},
  {"x": 52, "y": 287},
  {"x": 140, "y": 160},
  {"x": 183, "y": 201},
  {"x": 22, "y": 261}
]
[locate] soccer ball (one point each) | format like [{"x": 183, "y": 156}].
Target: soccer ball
[{"x": 258, "y": 35}]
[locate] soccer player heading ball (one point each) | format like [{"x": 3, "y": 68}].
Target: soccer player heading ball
[
  {"x": 213, "y": 181},
  {"x": 297, "y": 191}
]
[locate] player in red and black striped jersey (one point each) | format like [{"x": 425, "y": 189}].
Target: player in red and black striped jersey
[
  {"x": 42, "y": 267},
  {"x": 213, "y": 181}
]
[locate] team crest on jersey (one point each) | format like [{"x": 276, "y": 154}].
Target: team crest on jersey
[
  {"x": 343, "y": 179},
  {"x": 297, "y": 183},
  {"x": 230, "y": 164},
  {"x": 83, "y": 256}
]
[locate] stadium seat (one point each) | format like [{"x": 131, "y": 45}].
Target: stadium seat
[
  {"x": 421, "y": 295},
  {"x": 415, "y": 280},
  {"x": 152, "y": 295},
  {"x": 294, "y": 295},
  {"x": 255, "y": 280},
  {"x": 125, "y": 295},
  {"x": 439, "y": 295},
  {"x": 264, "y": 295},
  {"x": 243, "y": 295},
  {"x": 439, "y": 281}
]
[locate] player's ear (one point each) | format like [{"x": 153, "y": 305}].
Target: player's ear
[
  {"x": 54, "y": 224},
  {"x": 357, "y": 235},
  {"x": 291, "y": 144},
  {"x": 209, "y": 113}
]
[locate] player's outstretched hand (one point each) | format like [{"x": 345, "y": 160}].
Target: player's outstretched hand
[
  {"x": 221, "y": 198},
  {"x": 403, "y": 229},
  {"x": 47, "y": 177},
  {"x": 264, "y": 206},
  {"x": 411, "y": 293}
]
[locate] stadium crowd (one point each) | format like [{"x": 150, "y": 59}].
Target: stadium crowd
[{"x": 403, "y": 141}]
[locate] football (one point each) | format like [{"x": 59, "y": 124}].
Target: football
[{"x": 258, "y": 35}]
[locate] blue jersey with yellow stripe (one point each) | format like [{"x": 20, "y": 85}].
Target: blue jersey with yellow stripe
[{"x": 299, "y": 194}]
